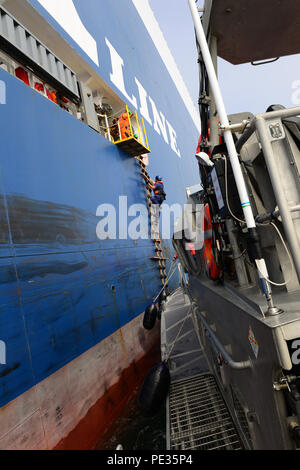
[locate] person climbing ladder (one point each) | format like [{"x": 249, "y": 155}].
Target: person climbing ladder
[
  {"x": 158, "y": 189},
  {"x": 157, "y": 199}
]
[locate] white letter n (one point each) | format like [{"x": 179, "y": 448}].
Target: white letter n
[
  {"x": 117, "y": 76},
  {"x": 159, "y": 121},
  {"x": 65, "y": 13}
]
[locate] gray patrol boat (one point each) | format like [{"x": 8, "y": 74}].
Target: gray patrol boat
[{"x": 231, "y": 333}]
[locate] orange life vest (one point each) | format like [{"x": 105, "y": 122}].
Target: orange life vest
[
  {"x": 158, "y": 191},
  {"x": 212, "y": 270},
  {"x": 124, "y": 126},
  {"x": 51, "y": 95}
]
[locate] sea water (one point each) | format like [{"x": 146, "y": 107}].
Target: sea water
[{"x": 133, "y": 431}]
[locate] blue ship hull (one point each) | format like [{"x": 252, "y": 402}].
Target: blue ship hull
[{"x": 63, "y": 291}]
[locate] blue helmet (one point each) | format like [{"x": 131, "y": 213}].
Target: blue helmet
[{"x": 157, "y": 178}]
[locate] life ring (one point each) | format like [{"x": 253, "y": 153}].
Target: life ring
[{"x": 212, "y": 270}]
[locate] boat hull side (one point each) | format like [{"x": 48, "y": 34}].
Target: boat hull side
[{"x": 74, "y": 407}]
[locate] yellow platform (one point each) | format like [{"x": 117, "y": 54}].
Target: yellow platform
[{"x": 132, "y": 146}]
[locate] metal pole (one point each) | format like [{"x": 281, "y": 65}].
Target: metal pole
[
  {"x": 145, "y": 134},
  {"x": 108, "y": 128},
  {"x": 137, "y": 121},
  {"x": 127, "y": 110},
  {"x": 235, "y": 164},
  {"x": 282, "y": 113},
  {"x": 284, "y": 209},
  {"x": 249, "y": 218},
  {"x": 213, "y": 117}
]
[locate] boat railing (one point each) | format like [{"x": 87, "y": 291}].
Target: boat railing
[
  {"x": 237, "y": 365},
  {"x": 270, "y": 130},
  {"x": 132, "y": 137}
]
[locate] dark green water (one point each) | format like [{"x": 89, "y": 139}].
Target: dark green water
[{"x": 136, "y": 432}]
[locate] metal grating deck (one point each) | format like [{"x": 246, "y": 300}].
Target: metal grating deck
[{"x": 199, "y": 418}]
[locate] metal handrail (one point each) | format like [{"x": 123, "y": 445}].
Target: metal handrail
[
  {"x": 275, "y": 178},
  {"x": 259, "y": 124},
  {"x": 233, "y": 364},
  {"x": 281, "y": 113}
]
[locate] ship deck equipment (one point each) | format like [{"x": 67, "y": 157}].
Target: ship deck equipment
[{"x": 231, "y": 340}]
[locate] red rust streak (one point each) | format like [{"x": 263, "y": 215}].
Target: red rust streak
[{"x": 109, "y": 407}]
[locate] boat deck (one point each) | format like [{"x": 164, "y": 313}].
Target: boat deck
[
  {"x": 197, "y": 415},
  {"x": 187, "y": 359}
]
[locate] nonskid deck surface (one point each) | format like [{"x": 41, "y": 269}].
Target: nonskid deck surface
[
  {"x": 187, "y": 357},
  {"x": 197, "y": 415},
  {"x": 199, "y": 418}
]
